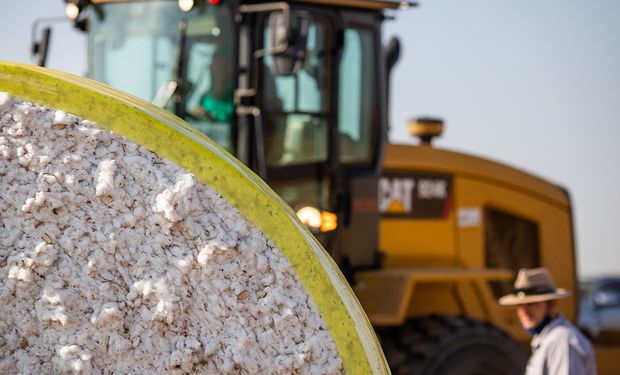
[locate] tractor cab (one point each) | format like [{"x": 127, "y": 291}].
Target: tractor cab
[{"x": 295, "y": 90}]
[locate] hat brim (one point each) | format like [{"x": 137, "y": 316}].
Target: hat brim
[{"x": 520, "y": 299}]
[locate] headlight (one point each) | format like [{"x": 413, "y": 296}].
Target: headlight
[
  {"x": 72, "y": 11},
  {"x": 310, "y": 216},
  {"x": 186, "y": 5},
  {"x": 316, "y": 220}
]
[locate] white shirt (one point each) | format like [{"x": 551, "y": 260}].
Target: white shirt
[{"x": 560, "y": 349}]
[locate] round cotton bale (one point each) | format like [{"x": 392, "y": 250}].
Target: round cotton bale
[{"x": 129, "y": 243}]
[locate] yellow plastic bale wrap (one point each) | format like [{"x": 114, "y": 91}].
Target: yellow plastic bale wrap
[{"x": 174, "y": 140}]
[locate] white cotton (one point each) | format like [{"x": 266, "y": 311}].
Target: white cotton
[
  {"x": 119, "y": 261},
  {"x": 105, "y": 178},
  {"x": 20, "y": 274},
  {"x": 61, "y": 118},
  {"x": 107, "y": 314},
  {"x": 175, "y": 202},
  {"x": 5, "y": 100},
  {"x": 73, "y": 360}
]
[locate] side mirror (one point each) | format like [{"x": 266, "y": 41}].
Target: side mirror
[
  {"x": 41, "y": 48},
  {"x": 392, "y": 53},
  {"x": 287, "y": 42},
  {"x": 606, "y": 298}
]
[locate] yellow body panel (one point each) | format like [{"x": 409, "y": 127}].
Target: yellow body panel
[
  {"x": 434, "y": 243},
  {"x": 404, "y": 157},
  {"x": 553, "y": 223},
  {"x": 607, "y": 358},
  {"x": 392, "y": 295}
]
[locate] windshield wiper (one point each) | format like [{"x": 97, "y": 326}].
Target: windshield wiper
[{"x": 178, "y": 87}]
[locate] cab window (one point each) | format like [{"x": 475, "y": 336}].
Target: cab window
[
  {"x": 296, "y": 106},
  {"x": 357, "y": 101},
  {"x": 135, "y": 47}
]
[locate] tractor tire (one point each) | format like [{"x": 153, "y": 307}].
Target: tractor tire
[{"x": 449, "y": 345}]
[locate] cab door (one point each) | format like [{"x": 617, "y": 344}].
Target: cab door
[
  {"x": 361, "y": 137},
  {"x": 320, "y": 116}
]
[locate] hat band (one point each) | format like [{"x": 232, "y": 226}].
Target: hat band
[{"x": 532, "y": 291}]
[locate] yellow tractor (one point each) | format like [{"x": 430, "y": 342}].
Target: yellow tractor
[
  {"x": 454, "y": 228},
  {"x": 297, "y": 90}
]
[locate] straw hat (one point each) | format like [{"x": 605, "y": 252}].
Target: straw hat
[{"x": 533, "y": 285}]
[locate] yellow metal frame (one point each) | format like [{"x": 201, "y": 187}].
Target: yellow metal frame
[
  {"x": 387, "y": 294},
  {"x": 175, "y": 140},
  {"x": 424, "y": 158}
]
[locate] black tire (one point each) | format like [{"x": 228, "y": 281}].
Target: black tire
[{"x": 447, "y": 345}]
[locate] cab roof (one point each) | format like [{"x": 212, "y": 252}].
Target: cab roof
[
  {"x": 364, "y": 4},
  {"x": 427, "y": 158}
]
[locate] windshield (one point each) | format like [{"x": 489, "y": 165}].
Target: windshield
[
  {"x": 296, "y": 106},
  {"x": 135, "y": 48}
]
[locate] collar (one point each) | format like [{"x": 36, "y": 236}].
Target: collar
[
  {"x": 538, "y": 339},
  {"x": 540, "y": 326}
]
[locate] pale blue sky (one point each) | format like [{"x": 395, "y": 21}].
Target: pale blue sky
[
  {"x": 531, "y": 83},
  {"x": 535, "y": 84}
]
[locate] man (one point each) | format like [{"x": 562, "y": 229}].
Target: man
[{"x": 558, "y": 347}]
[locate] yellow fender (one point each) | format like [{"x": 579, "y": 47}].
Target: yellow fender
[{"x": 175, "y": 140}]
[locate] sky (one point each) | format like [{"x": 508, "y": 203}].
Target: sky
[{"x": 533, "y": 84}]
